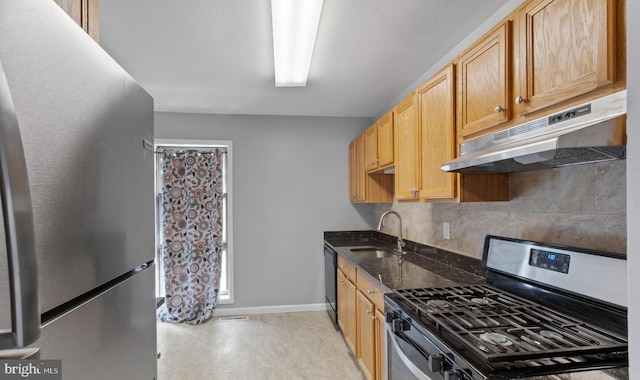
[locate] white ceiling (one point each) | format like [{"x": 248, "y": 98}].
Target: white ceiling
[{"x": 216, "y": 56}]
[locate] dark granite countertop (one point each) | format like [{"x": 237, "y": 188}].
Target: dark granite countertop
[
  {"x": 414, "y": 270},
  {"x": 425, "y": 267}
]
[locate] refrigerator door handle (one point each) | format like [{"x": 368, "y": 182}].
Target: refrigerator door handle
[
  {"x": 20, "y": 354},
  {"x": 19, "y": 228}
]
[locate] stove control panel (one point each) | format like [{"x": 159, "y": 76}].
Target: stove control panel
[{"x": 555, "y": 261}]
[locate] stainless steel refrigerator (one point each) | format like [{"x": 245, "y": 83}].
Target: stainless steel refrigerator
[{"x": 78, "y": 206}]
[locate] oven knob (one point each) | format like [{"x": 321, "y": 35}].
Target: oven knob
[
  {"x": 399, "y": 325},
  {"x": 453, "y": 375},
  {"x": 388, "y": 316},
  {"x": 435, "y": 363}
]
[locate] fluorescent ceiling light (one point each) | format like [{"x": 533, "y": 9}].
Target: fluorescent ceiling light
[{"x": 295, "y": 25}]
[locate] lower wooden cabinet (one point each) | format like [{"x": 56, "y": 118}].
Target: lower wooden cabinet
[
  {"x": 381, "y": 349},
  {"x": 361, "y": 318},
  {"x": 347, "y": 309},
  {"x": 366, "y": 342}
]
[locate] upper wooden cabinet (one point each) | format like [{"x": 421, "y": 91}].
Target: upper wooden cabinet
[
  {"x": 379, "y": 145},
  {"x": 363, "y": 187},
  {"x": 435, "y": 103},
  {"x": 371, "y": 148},
  {"x": 356, "y": 170},
  {"x": 407, "y": 149},
  {"x": 85, "y": 13},
  {"x": 385, "y": 141},
  {"x": 566, "y": 49},
  {"x": 545, "y": 56},
  {"x": 483, "y": 82}
]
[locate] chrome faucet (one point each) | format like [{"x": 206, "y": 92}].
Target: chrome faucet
[{"x": 401, "y": 242}]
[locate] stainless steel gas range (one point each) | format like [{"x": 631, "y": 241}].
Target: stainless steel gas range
[{"x": 544, "y": 309}]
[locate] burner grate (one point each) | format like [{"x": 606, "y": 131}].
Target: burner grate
[{"x": 500, "y": 327}]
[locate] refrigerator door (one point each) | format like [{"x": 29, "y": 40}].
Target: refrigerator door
[
  {"x": 83, "y": 120},
  {"x": 92, "y": 338},
  {"x": 16, "y": 211}
]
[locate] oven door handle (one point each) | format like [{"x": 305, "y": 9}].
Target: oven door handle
[{"x": 417, "y": 372}]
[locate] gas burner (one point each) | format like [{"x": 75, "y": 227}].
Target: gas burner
[
  {"x": 480, "y": 301},
  {"x": 551, "y": 334},
  {"x": 438, "y": 304},
  {"x": 495, "y": 342}
]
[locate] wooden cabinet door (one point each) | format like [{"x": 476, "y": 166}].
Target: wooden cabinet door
[
  {"x": 360, "y": 172},
  {"x": 341, "y": 283},
  {"x": 85, "y": 13},
  {"x": 567, "y": 48},
  {"x": 353, "y": 176},
  {"x": 381, "y": 349},
  {"x": 407, "y": 147},
  {"x": 352, "y": 334},
  {"x": 483, "y": 83},
  {"x": 371, "y": 148},
  {"x": 366, "y": 336},
  {"x": 435, "y": 104},
  {"x": 346, "y": 309},
  {"x": 385, "y": 141}
]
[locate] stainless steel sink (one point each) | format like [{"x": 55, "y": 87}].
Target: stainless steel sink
[{"x": 374, "y": 252}]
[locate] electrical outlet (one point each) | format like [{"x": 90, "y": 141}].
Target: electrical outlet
[{"x": 446, "y": 230}]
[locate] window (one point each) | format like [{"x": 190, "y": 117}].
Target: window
[{"x": 226, "y": 277}]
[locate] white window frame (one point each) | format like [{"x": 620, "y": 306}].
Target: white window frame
[{"x": 204, "y": 144}]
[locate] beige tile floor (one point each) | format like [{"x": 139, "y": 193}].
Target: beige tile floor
[{"x": 266, "y": 346}]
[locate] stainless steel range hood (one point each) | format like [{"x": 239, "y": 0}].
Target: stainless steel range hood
[{"x": 592, "y": 132}]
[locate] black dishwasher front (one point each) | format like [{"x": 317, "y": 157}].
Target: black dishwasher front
[{"x": 330, "y": 267}]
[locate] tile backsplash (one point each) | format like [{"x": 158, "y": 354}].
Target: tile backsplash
[{"x": 582, "y": 206}]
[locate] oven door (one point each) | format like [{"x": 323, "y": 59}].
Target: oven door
[{"x": 404, "y": 360}]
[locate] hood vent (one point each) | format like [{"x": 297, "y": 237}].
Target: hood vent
[{"x": 592, "y": 132}]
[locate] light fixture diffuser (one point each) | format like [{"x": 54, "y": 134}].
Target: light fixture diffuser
[{"x": 295, "y": 25}]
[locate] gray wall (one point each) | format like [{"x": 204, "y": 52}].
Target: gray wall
[
  {"x": 290, "y": 183},
  {"x": 582, "y": 206},
  {"x": 633, "y": 181}
]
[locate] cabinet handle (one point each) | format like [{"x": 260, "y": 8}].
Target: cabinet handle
[
  {"x": 498, "y": 109},
  {"x": 519, "y": 100},
  {"x": 414, "y": 191}
]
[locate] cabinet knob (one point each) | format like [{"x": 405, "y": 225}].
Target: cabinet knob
[
  {"x": 369, "y": 291},
  {"x": 373, "y": 317},
  {"x": 519, "y": 100},
  {"x": 368, "y": 311},
  {"x": 498, "y": 109}
]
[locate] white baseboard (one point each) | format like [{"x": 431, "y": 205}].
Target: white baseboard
[{"x": 226, "y": 311}]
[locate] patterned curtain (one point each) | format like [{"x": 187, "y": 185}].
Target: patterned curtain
[{"x": 192, "y": 227}]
